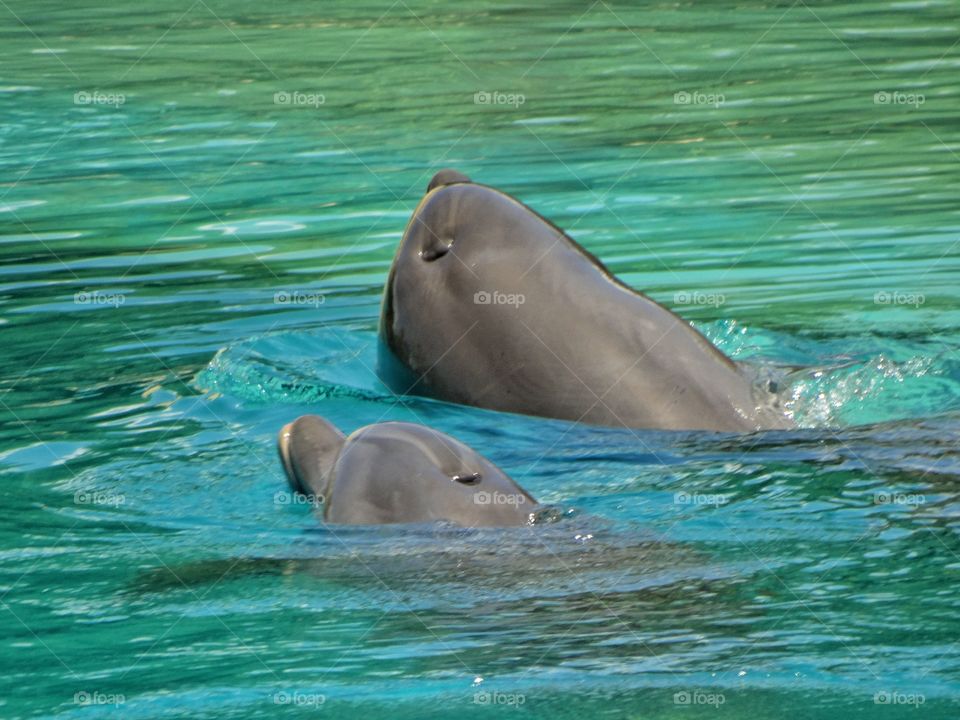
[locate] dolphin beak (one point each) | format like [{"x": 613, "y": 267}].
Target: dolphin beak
[
  {"x": 447, "y": 176},
  {"x": 283, "y": 447}
]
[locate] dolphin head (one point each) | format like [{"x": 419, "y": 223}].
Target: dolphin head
[
  {"x": 399, "y": 472},
  {"x": 470, "y": 255}
]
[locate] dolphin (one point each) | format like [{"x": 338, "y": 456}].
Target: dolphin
[
  {"x": 397, "y": 472},
  {"x": 489, "y": 304}
]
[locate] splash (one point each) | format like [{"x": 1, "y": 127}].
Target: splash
[
  {"x": 846, "y": 381},
  {"x": 296, "y": 368}
]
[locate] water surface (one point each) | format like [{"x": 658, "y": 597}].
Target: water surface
[{"x": 199, "y": 203}]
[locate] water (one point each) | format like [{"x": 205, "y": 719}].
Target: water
[{"x": 794, "y": 214}]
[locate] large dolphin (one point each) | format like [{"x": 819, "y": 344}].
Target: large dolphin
[
  {"x": 490, "y": 304},
  {"x": 398, "y": 472}
]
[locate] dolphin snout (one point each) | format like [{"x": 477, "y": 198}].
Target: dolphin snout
[
  {"x": 447, "y": 176},
  {"x": 309, "y": 447},
  {"x": 283, "y": 447}
]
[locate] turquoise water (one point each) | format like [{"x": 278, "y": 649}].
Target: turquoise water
[{"x": 784, "y": 175}]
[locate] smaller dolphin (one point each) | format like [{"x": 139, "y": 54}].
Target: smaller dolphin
[{"x": 397, "y": 472}]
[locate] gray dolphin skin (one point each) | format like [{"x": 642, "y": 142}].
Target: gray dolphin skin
[
  {"x": 398, "y": 472},
  {"x": 489, "y": 304}
]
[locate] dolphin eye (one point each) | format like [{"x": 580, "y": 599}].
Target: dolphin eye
[
  {"x": 469, "y": 479},
  {"x": 438, "y": 251}
]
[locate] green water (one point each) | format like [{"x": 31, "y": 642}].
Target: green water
[{"x": 793, "y": 169}]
